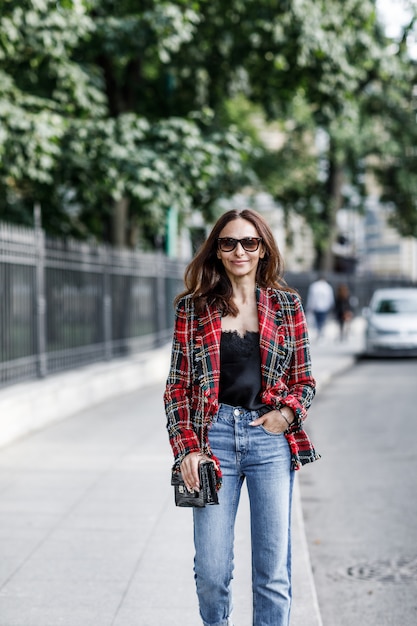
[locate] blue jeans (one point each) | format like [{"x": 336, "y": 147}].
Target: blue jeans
[
  {"x": 320, "y": 318},
  {"x": 263, "y": 458}
]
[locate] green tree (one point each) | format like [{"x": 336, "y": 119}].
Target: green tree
[
  {"x": 114, "y": 112},
  {"x": 310, "y": 65},
  {"x": 91, "y": 137},
  {"x": 394, "y": 106},
  {"x": 41, "y": 88},
  {"x": 356, "y": 104}
]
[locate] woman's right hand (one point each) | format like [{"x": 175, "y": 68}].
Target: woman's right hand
[{"x": 189, "y": 469}]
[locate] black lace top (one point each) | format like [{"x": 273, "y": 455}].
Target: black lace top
[{"x": 240, "y": 370}]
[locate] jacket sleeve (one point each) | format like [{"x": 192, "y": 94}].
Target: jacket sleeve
[
  {"x": 178, "y": 390},
  {"x": 300, "y": 384}
]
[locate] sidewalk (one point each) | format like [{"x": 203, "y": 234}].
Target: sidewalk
[{"x": 89, "y": 534}]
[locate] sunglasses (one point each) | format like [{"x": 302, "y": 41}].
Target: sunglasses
[{"x": 249, "y": 244}]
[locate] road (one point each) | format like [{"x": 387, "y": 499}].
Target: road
[{"x": 360, "y": 499}]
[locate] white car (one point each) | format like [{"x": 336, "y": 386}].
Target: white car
[{"x": 391, "y": 322}]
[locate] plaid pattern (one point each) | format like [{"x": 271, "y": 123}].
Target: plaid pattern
[{"x": 193, "y": 382}]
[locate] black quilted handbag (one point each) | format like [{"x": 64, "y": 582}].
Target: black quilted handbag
[{"x": 207, "y": 493}]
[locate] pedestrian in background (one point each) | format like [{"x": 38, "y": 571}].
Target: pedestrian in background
[
  {"x": 320, "y": 301},
  {"x": 343, "y": 310},
  {"x": 241, "y": 361}
]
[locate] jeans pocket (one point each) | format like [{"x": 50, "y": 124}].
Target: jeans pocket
[{"x": 269, "y": 432}]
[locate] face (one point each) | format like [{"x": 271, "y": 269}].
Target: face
[{"x": 240, "y": 263}]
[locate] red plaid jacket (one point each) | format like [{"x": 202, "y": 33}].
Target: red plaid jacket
[{"x": 193, "y": 382}]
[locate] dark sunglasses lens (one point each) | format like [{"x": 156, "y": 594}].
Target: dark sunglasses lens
[
  {"x": 227, "y": 244},
  {"x": 249, "y": 244}
]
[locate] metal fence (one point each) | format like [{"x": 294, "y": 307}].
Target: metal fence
[{"x": 64, "y": 304}]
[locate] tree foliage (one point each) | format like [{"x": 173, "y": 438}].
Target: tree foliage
[
  {"x": 111, "y": 112},
  {"x": 83, "y": 106},
  {"x": 394, "y": 107},
  {"x": 362, "y": 114}
]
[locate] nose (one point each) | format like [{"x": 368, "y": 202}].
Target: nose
[{"x": 239, "y": 250}]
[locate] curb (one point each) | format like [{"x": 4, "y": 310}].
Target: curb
[
  {"x": 30, "y": 406},
  {"x": 306, "y": 609}
]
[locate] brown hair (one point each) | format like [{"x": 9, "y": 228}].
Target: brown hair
[{"x": 205, "y": 278}]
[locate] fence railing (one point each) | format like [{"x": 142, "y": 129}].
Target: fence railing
[{"x": 64, "y": 304}]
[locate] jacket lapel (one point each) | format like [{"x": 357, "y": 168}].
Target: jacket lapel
[{"x": 272, "y": 339}]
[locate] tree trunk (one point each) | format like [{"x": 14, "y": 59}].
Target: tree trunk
[
  {"x": 120, "y": 222},
  {"x": 335, "y": 184}
]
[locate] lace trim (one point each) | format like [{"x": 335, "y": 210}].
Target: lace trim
[{"x": 242, "y": 345}]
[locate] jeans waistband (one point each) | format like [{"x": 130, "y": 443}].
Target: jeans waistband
[{"x": 240, "y": 410}]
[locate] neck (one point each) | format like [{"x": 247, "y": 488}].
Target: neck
[{"x": 243, "y": 290}]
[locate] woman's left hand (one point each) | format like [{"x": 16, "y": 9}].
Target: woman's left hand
[{"x": 273, "y": 421}]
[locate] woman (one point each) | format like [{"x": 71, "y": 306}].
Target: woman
[{"x": 241, "y": 362}]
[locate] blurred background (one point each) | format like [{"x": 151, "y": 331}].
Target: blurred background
[{"x": 127, "y": 128}]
